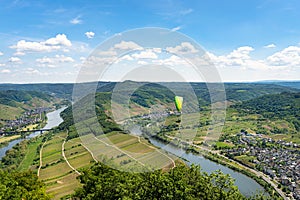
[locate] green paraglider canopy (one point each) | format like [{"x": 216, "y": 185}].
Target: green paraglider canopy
[{"x": 178, "y": 102}]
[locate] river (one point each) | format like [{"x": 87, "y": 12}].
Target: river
[
  {"x": 53, "y": 119},
  {"x": 246, "y": 185}
]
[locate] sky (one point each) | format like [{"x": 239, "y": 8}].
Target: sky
[{"x": 50, "y": 40}]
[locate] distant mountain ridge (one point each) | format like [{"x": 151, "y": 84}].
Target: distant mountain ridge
[{"x": 234, "y": 91}]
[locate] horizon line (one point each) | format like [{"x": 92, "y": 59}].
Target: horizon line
[{"x": 238, "y": 81}]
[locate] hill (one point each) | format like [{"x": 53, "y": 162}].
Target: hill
[
  {"x": 234, "y": 91},
  {"x": 13, "y": 103},
  {"x": 275, "y": 106}
]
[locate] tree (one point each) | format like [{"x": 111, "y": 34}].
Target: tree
[
  {"x": 182, "y": 182},
  {"x": 21, "y": 185}
]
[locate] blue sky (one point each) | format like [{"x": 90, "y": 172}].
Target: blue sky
[{"x": 46, "y": 41}]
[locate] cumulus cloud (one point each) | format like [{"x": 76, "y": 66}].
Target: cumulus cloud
[
  {"x": 127, "y": 45},
  {"x": 19, "y": 53},
  {"x": 270, "y": 46},
  {"x": 5, "y": 71},
  {"x": 14, "y": 60},
  {"x": 238, "y": 57},
  {"x": 289, "y": 56},
  {"x": 1, "y": 54},
  {"x": 286, "y": 59},
  {"x": 32, "y": 71},
  {"x": 2, "y": 64},
  {"x": 76, "y": 20},
  {"x": 173, "y": 60},
  {"x": 59, "y": 42},
  {"x": 177, "y": 28},
  {"x": 142, "y": 62},
  {"x": 90, "y": 34},
  {"x": 147, "y": 54},
  {"x": 54, "y": 61},
  {"x": 183, "y": 48},
  {"x": 107, "y": 53}
]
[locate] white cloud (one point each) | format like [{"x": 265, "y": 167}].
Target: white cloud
[
  {"x": 5, "y": 71},
  {"x": 32, "y": 71},
  {"x": 142, "y": 62},
  {"x": 147, "y": 54},
  {"x": 126, "y": 57},
  {"x": 57, "y": 43},
  {"x": 241, "y": 53},
  {"x": 238, "y": 57},
  {"x": 19, "y": 53},
  {"x": 177, "y": 28},
  {"x": 2, "y": 64},
  {"x": 124, "y": 45},
  {"x": 59, "y": 40},
  {"x": 90, "y": 34},
  {"x": 282, "y": 61},
  {"x": 270, "y": 46},
  {"x": 76, "y": 20},
  {"x": 1, "y": 54},
  {"x": 54, "y": 61},
  {"x": 14, "y": 60},
  {"x": 183, "y": 48},
  {"x": 186, "y": 12},
  {"x": 173, "y": 60},
  {"x": 107, "y": 53},
  {"x": 289, "y": 56}
]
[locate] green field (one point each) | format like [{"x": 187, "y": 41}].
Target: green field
[
  {"x": 59, "y": 178},
  {"x": 246, "y": 160},
  {"x": 31, "y": 155},
  {"x": 9, "y": 112},
  {"x": 128, "y": 151},
  {"x": 222, "y": 145},
  {"x": 9, "y": 138}
]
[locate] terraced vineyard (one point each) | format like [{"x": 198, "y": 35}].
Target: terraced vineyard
[{"x": 59, "y": 177}]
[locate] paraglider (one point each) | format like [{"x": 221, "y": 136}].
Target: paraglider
[{"x": 178, "y": 103}]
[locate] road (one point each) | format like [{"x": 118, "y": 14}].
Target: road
[
  {"x": 41, "y": 159},
  {"x": 257, "y": 173},
  {"x": 63, "y": 154}
]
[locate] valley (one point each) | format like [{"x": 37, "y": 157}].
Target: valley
[{"x": 60, "y": 158}]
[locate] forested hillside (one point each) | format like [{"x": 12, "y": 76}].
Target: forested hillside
[
  {"x": 102, "y": 182},
  {"x": 13, "y": 103},
  {"x": 21, "y": 185},
  {"x": 234, "y": 91},
  {"x": 275, "y": 106},
  {"x": 13, "y": 97}
]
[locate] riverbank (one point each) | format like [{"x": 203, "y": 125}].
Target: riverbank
[
  {"x": 51, "y": 120},
  {"x": 4, "y": 140},
  {"x": 270, "y": 187}
]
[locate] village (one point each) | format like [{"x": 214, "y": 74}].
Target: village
[
  {"x": 279, "y": 160},
  {"x": 33, "y": 116}
]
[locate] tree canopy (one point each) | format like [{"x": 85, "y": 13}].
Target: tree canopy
[
  {"x": 182, "y": 182},
  {"x": 21, "y": 185}
]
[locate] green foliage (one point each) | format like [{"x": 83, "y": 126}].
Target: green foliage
[
  {"x": 61, "y": 90},
  {"x": 14, "y": 156},
  {"x": 275, "y": 106},
  {"x": 21, "y": 185},
  {"x": 13, "y": 97},
  {"x": 103, "y": 182}
]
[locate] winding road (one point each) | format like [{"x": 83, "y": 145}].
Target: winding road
[{"x": 257, "y": 173}]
